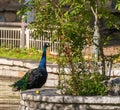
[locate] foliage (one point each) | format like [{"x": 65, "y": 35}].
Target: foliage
[
  {"x": 118, "y": 5},
  {"x": 71, "y": 23},
  {"x": 85, "y": 85}
]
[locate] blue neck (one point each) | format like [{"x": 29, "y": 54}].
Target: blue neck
[{"x": 42, "y": 63}]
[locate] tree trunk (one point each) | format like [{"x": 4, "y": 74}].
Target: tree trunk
[
  {"x": 102, "y": 56},
  {"x": 98, "y": 43}
]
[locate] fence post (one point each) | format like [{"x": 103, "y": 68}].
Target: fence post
[
  {"x": 27, "y": 33},
  {"x": 22, "y": 35}
]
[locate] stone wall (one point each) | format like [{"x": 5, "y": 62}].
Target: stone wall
[
  {"x": 8, "y": 9},
  {"x": 17, "y": 68},
  {"x": 48, "y": 99}
]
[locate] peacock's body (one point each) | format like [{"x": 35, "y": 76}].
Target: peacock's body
[{"x": 34, "y": 78}]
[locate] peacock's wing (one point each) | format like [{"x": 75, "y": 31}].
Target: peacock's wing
[
  {"x": 23, "y": 82},
  {"x": 37, "y": 78},
  {"x": 34, "y": 78}
]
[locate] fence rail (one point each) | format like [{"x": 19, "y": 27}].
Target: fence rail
[
  {"x": 10, "y": 37},
  {"x": 16, "y": 35}
]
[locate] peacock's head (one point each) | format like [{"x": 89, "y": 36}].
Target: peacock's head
[{"x": 46, "y": 45}]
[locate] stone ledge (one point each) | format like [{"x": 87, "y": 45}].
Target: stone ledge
[
  {"x": 27, "y": 64},
  {"x": 51, "y": 68},
  {"x": 48, "y": 99},
  {"x": 50, "y": 96}
]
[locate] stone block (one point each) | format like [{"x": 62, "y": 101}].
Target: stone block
[
  {"x": 23, "y": 69},
  {"x": 21, "y": 74},
  {"x": 37, "y": 98},
  {"x": 46, "y": 106},
  {"x": 51, "y": 83},
  {"x": 27, "y": 103},
  {"x": 1, "y": 73},
  {"x": 29, "y": 97},
  {"x": 9, "y": 73},
  {"x": 52, "y": 69},
  {"x": 14, "y": 73},
  {"x": 22, "y": 108},
  {"x": 115, "y": 72},
  {"x": 6, "y": 67},
  {"x": 73, "y": 99},
  {"x": 22, "y": 103},
  {"x": 30, "y": 66},
  {"x": 15, "y": 68},
  {"x": 27, "y": 108},
  {"x": 1, "y": 67},
  {"x": 23, "y": 96},
  {"x": 52, "y": 76},
  {"x": 82, "y": 107},
  {"x": 34, "y": 104},
  {"x": 6, "y": 61},
  {"x": 53, "y": 99},
  {"x": 33, "y": 109},
  {"x": 6, "y": 72},
  {"x": 54, "y": 106},
  {"x": 18, "y": 63},
  {"x": 102, "y": 107},
  {"x": 48, "y": 69}
]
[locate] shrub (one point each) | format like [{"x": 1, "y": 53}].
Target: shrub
[{"x": 84, "y": 85}]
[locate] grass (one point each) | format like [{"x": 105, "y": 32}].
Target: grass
[
  {"x": 31, "y": 54},
  {"x": 27, "y": 54}
]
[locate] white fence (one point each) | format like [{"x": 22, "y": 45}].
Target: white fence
[
  {"x": 9, "y": 37},
  {"x": 16, "y": 35}
]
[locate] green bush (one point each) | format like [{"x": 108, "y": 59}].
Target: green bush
[{"x": 85, "y": 85}]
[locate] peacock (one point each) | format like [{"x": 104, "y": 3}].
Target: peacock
[{"x": 34, "y": 78}]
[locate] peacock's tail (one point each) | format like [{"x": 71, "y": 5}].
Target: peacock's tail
[{"x": 21, "y": 84}]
